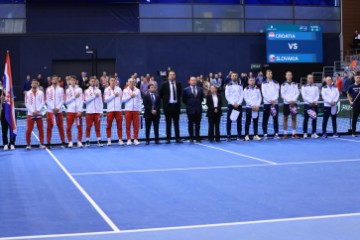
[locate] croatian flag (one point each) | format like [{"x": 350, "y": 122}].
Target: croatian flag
[{"x": 9, "y": 107}]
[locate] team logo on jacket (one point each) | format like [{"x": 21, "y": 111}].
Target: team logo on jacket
[
  {"x": 271, "y": 35},
  {"x": 271, "y": 58}
]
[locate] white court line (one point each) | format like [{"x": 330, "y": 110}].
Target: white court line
[
  {"x": 344, "y": 139},
  {"x": 59, "y": 235},
  {"x": 214, "y": 167},
  {"x": 278, "y": 220},
  {"x": 239, "y": 154},
  {"x": 82, "y": 191},
  {"x": 244, "y": 223}
]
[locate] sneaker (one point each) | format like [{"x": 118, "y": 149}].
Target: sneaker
[
  {"x": 12, "y": 147},
  {"x": 295, "y": 136},
  {"x": 336, "y": 135},
  {"x": 314, "y": 135},
  {"x": 276, "y": 137},
  {"x": 87, "y": 143},
  {"x": 136, "y": 142},
  {"x": 128, "y": 142},
  {"x": 239, "y": 139},
  {"x": 6, "y": 147},
  {"x": 79, "y": 144},
  {"x": 121, "y": 143},
  {"x": 265, "y": 137},
  {"x": 41, "y": 146},
  {"x": 109, "y": 142},
  {"x": 285, "y": 136},
  {"x": 247, "y": 138},
  {"x": 305, "y": 135},
  {"x": 257, "y": 138},
  {"x": 70, "y": 145},
  {"x": 324, "y": 135},
  {"x": 354, "y": 135},
  {"x": 28, "y": 147},
  {"x": 99, "y": 143},
  {"x": 48, "y": 146},
  {"x": 63, "y": 145}
]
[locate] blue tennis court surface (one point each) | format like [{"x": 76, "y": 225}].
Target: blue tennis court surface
[{"x": 286, "y": 189}]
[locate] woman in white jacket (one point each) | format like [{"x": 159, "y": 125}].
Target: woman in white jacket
[{"x": 330, "y": 95}]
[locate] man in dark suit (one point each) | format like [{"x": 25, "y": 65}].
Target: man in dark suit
[
  {"x": 193, "y": 97},
  {"x": 170, "y": 93},
  {"x": 214, "y": 113},
  {"x": 152, "y": 113}
]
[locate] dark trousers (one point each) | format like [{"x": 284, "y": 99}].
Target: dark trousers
[
  {"x": 155, "y": 122},
  {"x": 214, "y": 124},
  {"x": 5, "y": 127},
  {"x": 327, "y": 114},
  {"x": 194, "y": 119},
  {"x": 248, "y": 122},
  {"x": 238, "y": 121},
  {"x": 266, "y": 118},
  {"x": 356, "y": 113},
  {"x": 306, "y": 119},
  {"x": 172, "y": 113}
]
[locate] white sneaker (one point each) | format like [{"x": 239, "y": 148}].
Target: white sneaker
[
  {"x": 79, "y": 145},
  {"x": 6, "y": 147},
  {"x": 314, "y": 135},
  {"x": 28, "y": 147},
  {"x": 265, "y": 137},
  {"x": 257, "y": 138},
  {"x": 128, "y": 142},
  {"x": 70, "y": 145},
  {"x": 136, "y": 142},
  {"x": 12, "y": 147},
  {"x": 99, "y": 143},
  {"x": 276, "y": 137},
  {"x": 247, "y": 138},
  {"x": 305, "y": 135},
  {"x": 121, "y": 143},
  {"x": 41, "y": 146},
  {"x": 109, "y": 142}
]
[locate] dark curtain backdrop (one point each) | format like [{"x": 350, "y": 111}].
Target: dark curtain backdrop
[{"x": 187, "y": 54}]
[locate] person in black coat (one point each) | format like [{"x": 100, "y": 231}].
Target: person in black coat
[
  {"x": 170, "y": 93},
  {"x": 214, "y": 113},
  {"x": 193, "y": 97},
  {"x": 152, "y": 105}
]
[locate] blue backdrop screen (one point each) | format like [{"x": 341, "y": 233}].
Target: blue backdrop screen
[{"x": 294, "y": 44}]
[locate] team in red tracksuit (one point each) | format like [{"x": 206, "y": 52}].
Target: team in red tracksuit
[
  {"x": 112, "y": 97},
  {"x": 94, "y": 111},
  {"x": 54, "y": 116},
  {"x": 34, "y": 102},
  {"x": 74, "y": 103},
  {"x": 133, "y": 103}
]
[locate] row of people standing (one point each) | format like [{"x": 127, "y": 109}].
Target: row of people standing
[{"x": 171, "y": 94}]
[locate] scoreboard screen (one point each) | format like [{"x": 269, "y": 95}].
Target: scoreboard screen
[{"x": 294, "y": 44}]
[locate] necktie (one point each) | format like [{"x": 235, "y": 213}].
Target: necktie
[
  {"x": 194, "y": 92},
  {"x": 174, "y": 92}
]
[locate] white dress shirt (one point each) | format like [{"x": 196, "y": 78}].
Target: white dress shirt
[
  {"x": 172, "y": 85},
  {"x": 215, "y": 100}
]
